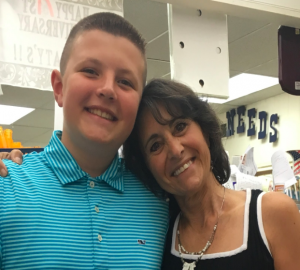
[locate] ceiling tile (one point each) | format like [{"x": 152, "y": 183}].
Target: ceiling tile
[
  {"x": 254, "y": 50},
  {"x": 267, "y": 69},
  {"x": 159, "y": 48},
  {"x": 149, "y": 17},
  {"x": 157, "y": 69},
  {"x": 241, "y": 27}
]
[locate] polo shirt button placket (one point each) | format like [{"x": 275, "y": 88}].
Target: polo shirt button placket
[
  {"x": 92, "y": 184},
  {"x": 99, "y": 237},
  {"x": 97, "y": 209}
]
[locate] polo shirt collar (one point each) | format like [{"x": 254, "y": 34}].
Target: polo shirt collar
[{"x": 67, "y": 170}]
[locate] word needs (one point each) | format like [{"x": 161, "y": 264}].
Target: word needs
[{"x": 251, "y": 131}]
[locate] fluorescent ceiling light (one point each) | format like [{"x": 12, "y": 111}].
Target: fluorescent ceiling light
[
  {"x": 10, "y": 114},
  {"x": 213, "y": 100},
  {"x": 216, "y": 100},
  {"x": 245, "y": 84}
]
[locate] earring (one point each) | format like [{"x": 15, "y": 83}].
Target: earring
[
  {"x": 211, "y": 166},
  {"x": 167, "y": 199}
]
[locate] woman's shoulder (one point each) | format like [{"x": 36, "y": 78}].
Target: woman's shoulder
[
  {"x": 279, "y": 213},
  {"x": 277, "y": 205},
  {"x": 281, "y": 222}
]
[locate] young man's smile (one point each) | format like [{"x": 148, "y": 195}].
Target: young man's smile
[{"x": 103, "y": 113}]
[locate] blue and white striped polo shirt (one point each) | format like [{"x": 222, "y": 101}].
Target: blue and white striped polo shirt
[{"x": 56, "y": 216}]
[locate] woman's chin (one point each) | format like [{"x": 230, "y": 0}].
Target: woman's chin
[{"x": 189, "y": 189}]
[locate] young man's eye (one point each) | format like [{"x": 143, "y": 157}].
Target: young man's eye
[
  {"x": 154, "y": 147},
  {"x": 126, "y": 82},
  {"x": 90, "y": 71}
]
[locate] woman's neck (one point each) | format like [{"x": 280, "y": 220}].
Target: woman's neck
[{"x": 201, "y": 209}]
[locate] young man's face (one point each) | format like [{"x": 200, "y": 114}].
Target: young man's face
[{"x": 101, "y": 88}]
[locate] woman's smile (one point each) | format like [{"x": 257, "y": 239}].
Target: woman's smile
[{"x": 183, "y": 167}]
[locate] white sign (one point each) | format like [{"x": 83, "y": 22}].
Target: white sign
[
  {"x": 247, "y": 164},
  {"x": 33, "y": 34},
  {"x": 245, "y": 181},
  {"x": 282, "y": 172}
]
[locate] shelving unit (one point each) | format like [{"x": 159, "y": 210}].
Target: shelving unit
[{"x": 23, "y": 150}]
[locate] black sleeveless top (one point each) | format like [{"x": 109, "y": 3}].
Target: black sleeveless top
[{"x": 254, "y": 256}]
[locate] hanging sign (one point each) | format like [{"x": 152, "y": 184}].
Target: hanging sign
[{"x": 33, "y": 34}]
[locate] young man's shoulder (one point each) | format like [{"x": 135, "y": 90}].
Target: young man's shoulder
[{"x": 31, "y": 162}]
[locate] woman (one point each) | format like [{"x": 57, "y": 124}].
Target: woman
[{"x": 176, "y": 146}]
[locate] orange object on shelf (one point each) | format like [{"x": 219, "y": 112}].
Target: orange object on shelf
[
  {"x": 17, "y": 145},
  {"x": 8, "y": 138},
  {"x": 2, "y": 139}
]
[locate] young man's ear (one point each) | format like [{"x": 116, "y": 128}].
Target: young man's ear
[{"x": 57, "y": 85}]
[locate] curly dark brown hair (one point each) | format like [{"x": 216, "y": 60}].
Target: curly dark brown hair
[{"x": 180, "y": 102}]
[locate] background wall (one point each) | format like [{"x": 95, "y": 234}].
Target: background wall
[{"x": 288, "y": 109}]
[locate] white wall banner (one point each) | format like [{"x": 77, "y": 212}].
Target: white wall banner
[{"x": 33, "y": 33}]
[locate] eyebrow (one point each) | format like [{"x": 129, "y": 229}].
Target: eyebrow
[{"x": 90, "y": 60}]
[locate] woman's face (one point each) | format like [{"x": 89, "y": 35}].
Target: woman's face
[{"x": 177, "y": 154}]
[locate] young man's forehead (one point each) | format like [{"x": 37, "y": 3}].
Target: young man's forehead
[{"x": 81, "y": 35}]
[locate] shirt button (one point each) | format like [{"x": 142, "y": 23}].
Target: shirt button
[
  {"x": 99, "y": 237},
  {"x": 92, "y": 184},
  {"x": 96, "y": 209}
]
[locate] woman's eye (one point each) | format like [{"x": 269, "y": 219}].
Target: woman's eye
[
  {"x": 90, "y": 71},
  {"x": 154, "y": 147},
  {"x": 180, "y": 126},
  {"x": 125, "y": 82}
]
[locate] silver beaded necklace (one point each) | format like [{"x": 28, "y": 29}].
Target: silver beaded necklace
[{"x": 181, "y": 249}]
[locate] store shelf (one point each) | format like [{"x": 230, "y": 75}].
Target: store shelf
[{"x": 23, "y": 150}]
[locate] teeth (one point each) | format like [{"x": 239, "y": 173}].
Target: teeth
[
  {"x": 183, "y": 168},
  {"x": 101, "y": 114}
]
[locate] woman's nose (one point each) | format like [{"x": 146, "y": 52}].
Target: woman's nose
[{"x": 175, "y": 148}]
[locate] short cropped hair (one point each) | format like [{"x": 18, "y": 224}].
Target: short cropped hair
[
  {"x": 180, "y": 102},
  {"x": 108, "y": 22}
]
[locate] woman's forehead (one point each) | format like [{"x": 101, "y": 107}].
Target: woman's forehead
[{"x": 161, "y": 114}]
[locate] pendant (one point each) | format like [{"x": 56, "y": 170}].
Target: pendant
[{"x": 189, "y": 266}]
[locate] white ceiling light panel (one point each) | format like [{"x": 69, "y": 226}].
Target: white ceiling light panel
[
  {"x": 245, "y": 84},
  {"x": 10, "y": 114}
]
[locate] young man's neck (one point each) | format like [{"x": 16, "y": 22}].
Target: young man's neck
[{"x": 92, "y": 159}]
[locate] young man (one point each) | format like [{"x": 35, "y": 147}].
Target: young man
[{"x": 74, "y": 205}]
